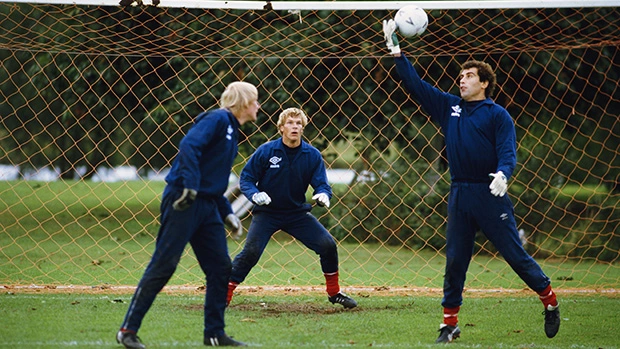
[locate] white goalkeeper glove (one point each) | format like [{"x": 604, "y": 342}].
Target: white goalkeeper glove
[
  {"x": 321, "y": 199},
  {"x": 261, "y": 198},
  {"x": 499, "y": 185},
  {"x": 185, "y": 200},
  {"x": 389, "y": 34},
  {"x": 235, "y": 223}
]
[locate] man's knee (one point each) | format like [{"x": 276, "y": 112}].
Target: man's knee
[
  {"x": 248, "y": 257},
  {"x": 327, "y": 248}
]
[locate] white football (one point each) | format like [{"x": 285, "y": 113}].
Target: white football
[{"x": 411, "y": 20}]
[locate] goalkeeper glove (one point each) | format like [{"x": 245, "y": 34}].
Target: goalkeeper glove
[
  {"x": 235, "y": 223},
  {"x": 499, "y": 185},
  {"x": 389, "y": 34},
  {"x": 185, "y": 200},
  {"x": 321, "y": 199},
  {"x": 261, "y": 198}
]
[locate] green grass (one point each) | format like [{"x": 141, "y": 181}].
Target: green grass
[
  {"x": 95, "y": 234},
  {"x": 78, "y": 261},
  {"x": 84, "y": 233},
  {"x": 40, "y": 320}
]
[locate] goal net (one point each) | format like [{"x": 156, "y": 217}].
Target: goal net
[{"x": 95, "y": 97}]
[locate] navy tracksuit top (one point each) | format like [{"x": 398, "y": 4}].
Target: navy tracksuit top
[
  {"x": 207, "y": 172},
  {"x": 284, "y": 180},
  {"x": 478, "y": 141}
]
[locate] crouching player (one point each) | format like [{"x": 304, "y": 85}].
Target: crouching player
[{"x": 276, "y": 179}]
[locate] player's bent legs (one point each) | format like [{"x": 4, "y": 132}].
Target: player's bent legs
[
  {"x": 211, "y": 250},
  {"x": 174, "y": 234},
  {"x": 311, "y": 233},
  {"x": 261, "y": 229}
]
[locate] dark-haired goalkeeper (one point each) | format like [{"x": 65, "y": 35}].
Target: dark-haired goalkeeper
[{"x": 481, "y": 148}]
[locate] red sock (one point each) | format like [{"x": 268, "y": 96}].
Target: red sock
[
  {"x": 231, "y": 288},
  {"x": 450, "y": 316},
  {"x": 547, "y": 297},
  {"x": 331, "y": 283}
]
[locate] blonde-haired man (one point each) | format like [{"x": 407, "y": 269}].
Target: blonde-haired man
[
  {"x": 194, "y": 210},
  {"x": 276, "y": 179}
]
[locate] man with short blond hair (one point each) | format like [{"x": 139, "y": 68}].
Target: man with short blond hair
[
  {"x": 276, "y": 179},
  {"x": 194, "y": 210}
]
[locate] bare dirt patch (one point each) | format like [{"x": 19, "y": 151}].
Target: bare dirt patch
[
  {"x": 358, "y": 291},
  {"x": 268, "y": 309}
]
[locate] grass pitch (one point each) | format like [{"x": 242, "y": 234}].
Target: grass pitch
[
  {"x": 98, "y": 235},
  {"x": 305, "y": 320}
]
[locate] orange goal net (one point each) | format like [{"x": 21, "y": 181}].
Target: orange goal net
[{"x": 95, "y": 97}]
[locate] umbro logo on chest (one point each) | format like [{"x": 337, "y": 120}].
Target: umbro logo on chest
[
  {"x": 275, "y": 162},
  {"x": 456, "y": 111}
]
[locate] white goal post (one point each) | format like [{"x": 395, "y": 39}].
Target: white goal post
[{"x": 346, "y": 5}]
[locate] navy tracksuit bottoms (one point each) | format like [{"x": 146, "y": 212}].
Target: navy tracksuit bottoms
[
  {"x": 472, "y": 207},
  {"x": 202, "y": 227},
  {"x": 303, "y": 226}
]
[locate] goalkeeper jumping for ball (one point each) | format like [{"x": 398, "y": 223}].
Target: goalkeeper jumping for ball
[
  {"x": 480, "y": 142},
  {"x": 276, "y": 179}
]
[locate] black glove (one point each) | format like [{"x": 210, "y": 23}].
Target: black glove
[{"x": 185, "y": 200}]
